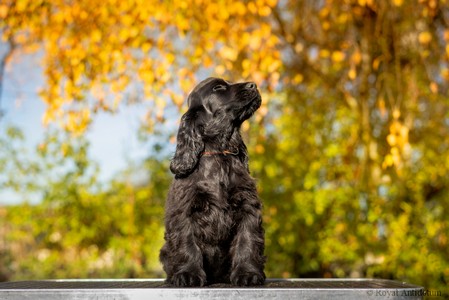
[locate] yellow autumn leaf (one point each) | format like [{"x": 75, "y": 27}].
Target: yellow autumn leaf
[
  {"x": 299, "y": 47},
  {"x": 123, "y": 34},
  {"x": 404, "y": 132},
  {"x": 395, "y": 152},
  {"x": 298, "y": 78},
  {"x": 338, "y": 56},
  {"x": 65, "y": 149},
  {"x": 3, "y": 10},
  {"x": 21, "y": 5},
  {"x": 356, "y": 57},
  {"x": 324, "y": 12},
  {"x": 160, "y": 103},
  {"x": 271, "y": 3},
  {"x": 252, "y": 7},
  {"x": 246, "y": 65},
  {"x": 434, "y": 87},
  {"x": 376, "y": 63},
  {"x": 96, "y": 35},
  {"x": 47, "y": 117},
  {"x": 382, "y": 108},
  {"x": 445, "y": 74},
  {"x": 255, "y": 41},
  {"x": 260, "y": 149},
  {"x": 352, "y": 74},
  {"x": 396, "y": 115},
  {"x": 343, "y": 18},
  {"x": 424, "y": 37},
  {"x": 324, "y": 53},
  {"x": 21, "y": 38},
  {"x": 238, "y": 8},
  {"x": 388, "y": 161},
  {"x": 228, "y": 53},
  {"x": 177, "y": 99},
  {"x": 265, "y": 11},
  {"x": 391, "y": 139},
  {"x": 146, "y": 47},
  {"x": 186, "y": 85},
  {"x": 223, "y": 15},
  {"x": 170, "y": 58}
]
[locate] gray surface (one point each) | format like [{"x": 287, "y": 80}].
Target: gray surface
[{"x": 282, "y": 289}]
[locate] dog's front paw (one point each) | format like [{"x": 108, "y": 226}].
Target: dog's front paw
[
  {"x": 247, "y": 278},
  {"x": 186, "y": 279}
]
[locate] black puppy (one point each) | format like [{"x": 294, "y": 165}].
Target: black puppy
[{"x": 213, "y": 217}]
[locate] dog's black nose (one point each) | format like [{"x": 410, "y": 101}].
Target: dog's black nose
[{"x": 251, "y": 86}]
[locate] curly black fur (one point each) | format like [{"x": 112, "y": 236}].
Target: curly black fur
[{"x": 213, "y": 217}]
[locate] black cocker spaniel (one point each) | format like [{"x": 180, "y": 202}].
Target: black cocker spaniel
[{"x": 213, "y": 216}]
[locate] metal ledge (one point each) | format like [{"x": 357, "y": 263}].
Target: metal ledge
[{"x": 282, "y": 289}]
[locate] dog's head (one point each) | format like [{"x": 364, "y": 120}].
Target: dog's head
[{"x": 216, "y": 110}]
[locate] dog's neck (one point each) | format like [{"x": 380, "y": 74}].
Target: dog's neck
[
  {"x": 226, "y": 144},
  {"x": 234, "y": 152}
]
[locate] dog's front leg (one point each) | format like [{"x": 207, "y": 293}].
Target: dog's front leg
[
  {"x": 248, "y": 244},
  {"x": 181, "y": 257}
]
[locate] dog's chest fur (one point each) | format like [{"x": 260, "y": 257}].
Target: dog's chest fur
[{"x": 213, "y": 203}]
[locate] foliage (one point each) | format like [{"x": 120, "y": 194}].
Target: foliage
[
  {"x": 96, "y": 49},
  {"x": 355, "y": 161},
  {"x": 350, "y": 146},
  {"x": 81, "y": 228}
]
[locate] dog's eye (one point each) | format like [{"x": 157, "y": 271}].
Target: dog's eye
[{"x": 219, "y": 87}]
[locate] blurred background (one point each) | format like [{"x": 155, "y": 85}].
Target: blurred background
[{"x": 350, "y": 147}]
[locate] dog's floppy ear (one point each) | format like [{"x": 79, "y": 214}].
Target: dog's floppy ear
[{"x": 189, "y": 144}]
